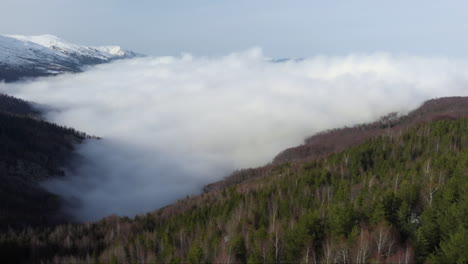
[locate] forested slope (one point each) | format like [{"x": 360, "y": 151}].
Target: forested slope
[
  {"x": 12, "y": 105},
  {"x": 338, "y": 139},
  {"x": 395, "y": 198},
  {"x": 31, "y": 150},
  {"x": 332, "y": 141}
]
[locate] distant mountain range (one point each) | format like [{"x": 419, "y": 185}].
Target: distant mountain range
[{"x": 34, "y": 56}]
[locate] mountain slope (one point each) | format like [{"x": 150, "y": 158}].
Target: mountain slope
[
  {"x": 336, "y": 140},
  {"x": 83, "y": 54},
  {"x": 33, "y": 56},
  {"x": 31, "y": 150},
  {"x": 26, "y": 59},
  {"x": 394, "y": 198}
]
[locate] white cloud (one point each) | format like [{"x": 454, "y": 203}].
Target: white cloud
[{"x": 172, "y": 124}]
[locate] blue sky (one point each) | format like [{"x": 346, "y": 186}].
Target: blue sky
[{"x": 292, "y": 28}]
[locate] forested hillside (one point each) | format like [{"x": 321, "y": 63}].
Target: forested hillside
[
  {"x": 336, "y": 140},
  {"x": 31, "y": 150},
  {"x": 12, "y": 105},
  {"x": 395, "y": 198}
]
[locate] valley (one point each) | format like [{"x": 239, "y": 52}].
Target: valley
[{"x": 395, "y": 195}]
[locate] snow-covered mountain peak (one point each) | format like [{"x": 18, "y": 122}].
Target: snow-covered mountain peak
[
  {"x": 78, "y": 51},
  {"x": 21, "y": 52},
  {"x": 26, "y": 56}
]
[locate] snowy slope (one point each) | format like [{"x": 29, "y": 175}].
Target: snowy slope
[
  {"x": 20, "y": 59},
  {"x": 16, "y": 52},
  {"x": 82, "y": 53},
  {"x": 30, "y": 56}
]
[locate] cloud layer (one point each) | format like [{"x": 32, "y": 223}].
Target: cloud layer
[{"x": 172, "y": 124}]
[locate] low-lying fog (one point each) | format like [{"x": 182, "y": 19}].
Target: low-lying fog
[{"x": 172, "y": 124}]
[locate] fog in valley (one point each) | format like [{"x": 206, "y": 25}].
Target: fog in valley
[{"x": 170, "y": 125}]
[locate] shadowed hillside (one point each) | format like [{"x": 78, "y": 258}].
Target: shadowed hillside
[
  {"x": 31, "y": 150},
  {"x": 12, "y": 105}
]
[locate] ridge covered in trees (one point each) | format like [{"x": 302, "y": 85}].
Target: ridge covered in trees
[
  {"x": 31, "y": 150},
  {"x": 336, "y": 140},
  {"x": 394, "y": 198}
]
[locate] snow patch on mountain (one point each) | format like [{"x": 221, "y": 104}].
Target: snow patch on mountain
[{"x": 113, "y": 50}]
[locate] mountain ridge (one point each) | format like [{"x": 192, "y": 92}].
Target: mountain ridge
[
  {"x": 336, "y": 140},
  {"x": 44, "y": 55},
  {"x": 31, "y": 151}
]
